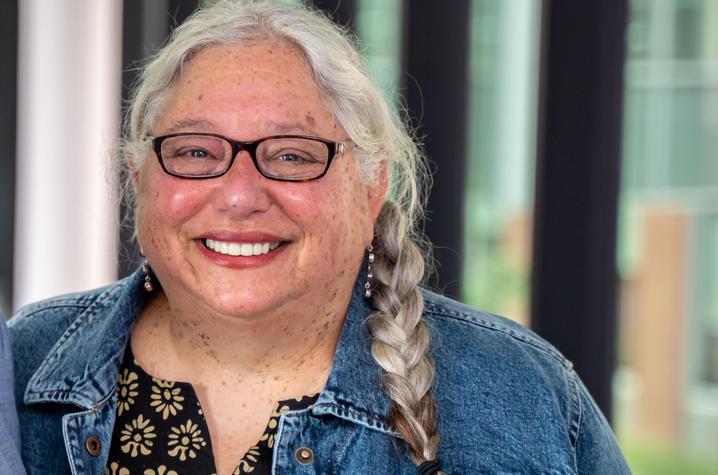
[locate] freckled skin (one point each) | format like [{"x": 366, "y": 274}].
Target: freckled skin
[
  {"x": 185, "y": 197},
  {"x": 246, "y": 338}
]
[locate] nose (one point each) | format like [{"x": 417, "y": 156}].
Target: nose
[{"x": 242, "y": 190}]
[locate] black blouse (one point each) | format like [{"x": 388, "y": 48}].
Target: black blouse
[{"x": 160, "y": 429}]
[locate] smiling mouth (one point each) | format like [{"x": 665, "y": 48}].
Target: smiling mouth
[{"x": 245, "y": 249}]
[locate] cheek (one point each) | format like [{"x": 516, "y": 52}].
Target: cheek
[
  {"x": 180, "y": 203},
  {"x": 164, "y": 204},
  {"x": 343, "y": 219},
  {"x": 328, "y": 210}
]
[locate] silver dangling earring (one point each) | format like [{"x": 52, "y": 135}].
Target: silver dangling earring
[
  {"x": 148, "y": 278},
  {"x": 369, "y": 273}
]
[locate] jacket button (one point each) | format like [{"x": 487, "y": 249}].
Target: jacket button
[
  {"x": 304, "y": 455},
  {"x": 92, "y": 445}
]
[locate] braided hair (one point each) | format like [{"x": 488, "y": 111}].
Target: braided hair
[{"x": 401, "y": 338}]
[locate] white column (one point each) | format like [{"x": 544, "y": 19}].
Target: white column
[{"x": 69, "y": 99}]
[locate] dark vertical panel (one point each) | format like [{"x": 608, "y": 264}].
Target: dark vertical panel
[
  {"x": 436, "y": 84},
  {"x": 574, "y": 274},
  {"x": 341, "y": 11},
  {"x": 8, "y": 107},
  {"x": 146, "y": 26},
  {"x": 181, "y": 9},
  {"x": 132, "y": 53}
]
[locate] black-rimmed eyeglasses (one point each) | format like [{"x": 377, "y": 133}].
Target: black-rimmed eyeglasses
[{"x": 279, "y": 157}]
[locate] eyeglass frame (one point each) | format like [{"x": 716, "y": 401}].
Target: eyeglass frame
[{"x": 334, "y": 149}]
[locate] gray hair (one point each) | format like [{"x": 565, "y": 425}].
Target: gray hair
[{"x": 400, "y": 337}]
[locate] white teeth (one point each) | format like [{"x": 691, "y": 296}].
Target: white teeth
[{"x": 240, "y": 249}]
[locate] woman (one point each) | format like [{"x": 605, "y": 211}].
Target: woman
[{"x": 276, "y": 197}]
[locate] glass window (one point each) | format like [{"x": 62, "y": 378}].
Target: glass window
[
  {"x": 503, "y": 87},
  {"x": 666, "y": 388},
  {"x": 378, "y": 27},
  {"x": 503, "y": 91}
]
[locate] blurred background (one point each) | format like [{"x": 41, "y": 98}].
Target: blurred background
[{"x": 575, "y": 150}]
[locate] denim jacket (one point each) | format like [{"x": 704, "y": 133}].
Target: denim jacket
[{"x": 507, "y": 402}]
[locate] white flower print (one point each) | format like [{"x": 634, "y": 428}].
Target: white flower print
[
  {"x": 126, "y": 390},
  {"x": 162, "y": 383},
  {"x": 185, "y": 440},
  {"x": 248, "y": 462},
  {"x": 272, "y": 425},
  {"x": 161, "y": 470},
  {"x": 166, "y": 398},
  {"x": 115, "y": 469},
  {"x": 137, "y": 437}
]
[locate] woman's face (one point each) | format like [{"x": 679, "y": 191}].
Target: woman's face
[{"x": 321, "y": 226}]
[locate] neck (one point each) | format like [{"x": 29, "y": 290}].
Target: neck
[{"x": 281, "y": 350}]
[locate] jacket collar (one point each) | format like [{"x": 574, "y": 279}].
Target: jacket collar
[
  {"x": 82, "y": 367},
  {"x": 353, "y": 390}
]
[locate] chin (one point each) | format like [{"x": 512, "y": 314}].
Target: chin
[{"x": 247, "y": 305}]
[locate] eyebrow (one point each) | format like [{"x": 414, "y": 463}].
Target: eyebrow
[
  {"x": 192, "y": 124},
  {"x": 208, "y": 125}
]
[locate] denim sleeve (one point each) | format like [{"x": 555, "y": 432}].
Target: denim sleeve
[
  {"x": 9, "y": 430},
  {"x": 596, "y": 448}
]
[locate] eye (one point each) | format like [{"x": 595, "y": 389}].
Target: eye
[
  {"x": 194, "y": 153},
  {"x": 292, "y": 158},
  {"x": 197, "y": 153}
]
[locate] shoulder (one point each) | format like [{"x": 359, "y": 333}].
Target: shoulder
[
  {"x": 36, "y": 328},
  {"x": 51, "y": 317},
  {"x": 479, "y": 354},
  {"x": 466, "y": 332},
  {"x": 497, "y": 384}
]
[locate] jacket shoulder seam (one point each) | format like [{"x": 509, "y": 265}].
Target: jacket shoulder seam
[
  {"x": 575, "y": 413},
  {"x": 82, "y": 301},
  {"x": 475, "y": 320},
  {"x": 35, "y": 309}
]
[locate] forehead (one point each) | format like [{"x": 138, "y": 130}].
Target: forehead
[{"x": 263, "y": 84}]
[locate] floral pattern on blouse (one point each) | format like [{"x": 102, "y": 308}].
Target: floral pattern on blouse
[{"x": 160, "y": 429}]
